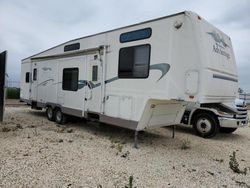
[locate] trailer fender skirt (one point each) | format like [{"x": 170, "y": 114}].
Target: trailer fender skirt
[{"x": 159, "y": 113}]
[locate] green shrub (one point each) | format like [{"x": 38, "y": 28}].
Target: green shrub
[
  {"x": 130, "y": 183},
  {"x": 13, "y": 93},
  {"x": 234, "y": 165},
  {"x": 186, "y": 144}
]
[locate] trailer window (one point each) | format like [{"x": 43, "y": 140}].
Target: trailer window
[
  {"x": 134, "y": 62},
  {"x": 94, "y": 72},
  {"x": 27, "y": 77},
  {"x": 71, "y": 47},
  {"x": 34, "y": 74},
  {"x": 136, "y": 35},
  {"x": 70, "y": 79}
]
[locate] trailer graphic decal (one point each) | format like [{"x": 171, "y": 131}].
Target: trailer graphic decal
[
  {"x": 163, "y": 67},
  {"x": 218, "y": 39},
  {"x": 220, "y": 44},
  {"x": 44, "y": 83}
]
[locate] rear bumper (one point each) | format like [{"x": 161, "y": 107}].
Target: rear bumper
[{"x": 232, "y": 123}]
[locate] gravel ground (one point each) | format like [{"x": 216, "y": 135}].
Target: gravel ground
[{"x": 37, "y": 153}]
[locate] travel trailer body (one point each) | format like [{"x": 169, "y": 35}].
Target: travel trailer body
[{"x": 138, "y": 76}]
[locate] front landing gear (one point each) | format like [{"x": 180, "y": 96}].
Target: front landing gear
[
  {"x": 136, "y": 140},
  {"x": 137, "y": 132},
  {"x": 173, "y": 133}
]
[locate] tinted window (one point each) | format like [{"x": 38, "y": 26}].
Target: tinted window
[
  {"x": 27, "y": 77},
  {"x": 71, "y": 47},
  {"x": 134, "y": 62},
  {"x": 94, "y": 73},
  {"x": 34, "y": 74},
  {"x": 70, "y": 79},
  {"x": 136, "y": 35}
]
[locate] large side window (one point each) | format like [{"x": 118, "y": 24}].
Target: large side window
[
  {"x": 27, "y": 77},
  {"x": 70, "y": 79},
  {"x": 134, "y": 62}
]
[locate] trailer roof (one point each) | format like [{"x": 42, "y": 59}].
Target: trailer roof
[{"x": 152, "y": 20}]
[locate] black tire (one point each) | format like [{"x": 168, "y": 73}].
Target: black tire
[
  {"x": 206, "y": 125},
  {"x": 60, "y": 117},
  {"x": 50, "y": 113},
  {"x": 227, "y": 130}
]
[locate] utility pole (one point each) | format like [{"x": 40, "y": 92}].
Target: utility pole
[{"x": 2, "y": 82}]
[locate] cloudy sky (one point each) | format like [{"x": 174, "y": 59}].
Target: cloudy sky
[{"x": 30, "y": 26}]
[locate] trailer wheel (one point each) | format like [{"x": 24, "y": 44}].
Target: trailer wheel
[
  {"x": 227, "y": 130},
  {"x": 50, "y": 113},
  {"x": 205, "y": 125},
  {"x": 60, "y": 117}
]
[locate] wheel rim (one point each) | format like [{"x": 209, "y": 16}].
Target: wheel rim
[
  {"x": 58, "y": 116},
  {"x": 203, "y": 125},
  {"x": 50, "y": 112}
]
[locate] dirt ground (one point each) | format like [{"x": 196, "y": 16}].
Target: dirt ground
[
  {"x": 35, "y": 152},
  {"x": 14, "y": 103}
]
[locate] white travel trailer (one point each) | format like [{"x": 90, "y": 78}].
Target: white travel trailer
[{"x": 140, "y": 76}]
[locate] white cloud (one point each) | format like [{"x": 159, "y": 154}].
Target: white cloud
[{"x": 28, "y": 27}]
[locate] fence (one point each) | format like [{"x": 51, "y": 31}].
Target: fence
[
  {"x": 12, "y": 84},
  {"x": 245, "y": 97},
  {"x": 13, "y": 89}
]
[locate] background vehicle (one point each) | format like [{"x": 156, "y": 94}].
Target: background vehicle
[{"x": 207, "y": 120}]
